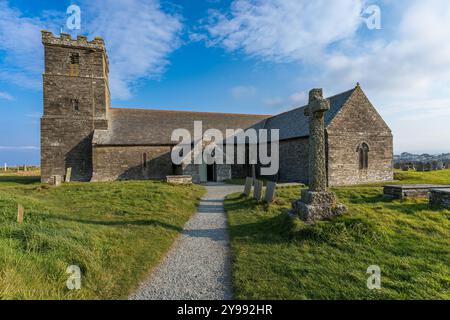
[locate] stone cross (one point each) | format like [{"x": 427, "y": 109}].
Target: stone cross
[{"x": 315, "y": 110}]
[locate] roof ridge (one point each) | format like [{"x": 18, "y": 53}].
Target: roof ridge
[
  {"x": 296, "y": 108},
  {"x": 196, "y": 112}
]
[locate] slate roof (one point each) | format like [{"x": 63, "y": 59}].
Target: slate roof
[
  {"x": 294, "y": 123},
  {"x": 155, "y": 127}
]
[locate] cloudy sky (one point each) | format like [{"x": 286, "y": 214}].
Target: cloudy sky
[{"x": 243, "y": 56}]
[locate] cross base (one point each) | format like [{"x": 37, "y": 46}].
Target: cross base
[{"x": 316, "y": 206}]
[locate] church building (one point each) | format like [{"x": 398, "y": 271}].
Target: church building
[{"x": 80, "y": 130}]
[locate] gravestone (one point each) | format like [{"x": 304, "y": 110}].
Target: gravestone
[
  {"x": 317, "y": 203},
  {"x": 68, "y": 174},
  {"x": 440, "y": 197},
  {"x": 270, "y": 191},
  {"x": 257, "y": 190},
  {"x": 56, "y": 180},
  {"x": 248, "y": 186}
]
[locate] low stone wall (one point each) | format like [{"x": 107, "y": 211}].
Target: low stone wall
[
  {"x": 179, "y": 179},
  {"x": 440, "y": 197},
  {"x": 410, "y": 191}
]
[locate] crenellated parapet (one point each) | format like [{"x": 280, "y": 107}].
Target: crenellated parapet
[{"x": 66, "y": 40}]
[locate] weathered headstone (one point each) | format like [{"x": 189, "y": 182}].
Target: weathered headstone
[
  {"x": 68, "y": 174},
  {"x": 257, "y": 190},
  {"x": 440, "y": 197},
  {"x": 270, "y": 191},
  {"x": 19, "y": 213},
  {"x": 248, "y": 186},
  {"x": 56, "y": 180},
  {"x": 317, "y": 203}
]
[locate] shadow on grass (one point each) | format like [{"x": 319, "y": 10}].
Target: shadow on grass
[
  {"x": 409, "y": 208},
  {"x": 124, "y": 223},
  {"x": 20, "y": 179}
]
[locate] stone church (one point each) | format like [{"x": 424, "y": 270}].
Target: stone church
[{"x": 80, "y": 130}]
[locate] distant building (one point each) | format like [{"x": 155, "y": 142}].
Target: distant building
[{"x": 80, "y": 129}]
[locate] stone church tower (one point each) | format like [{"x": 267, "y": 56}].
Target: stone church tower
[{"x": 76, "y": 102}]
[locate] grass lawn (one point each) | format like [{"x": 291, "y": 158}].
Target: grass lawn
[
  {"x": 115, "y": 232},
  {"x": 276, "y": 257}
]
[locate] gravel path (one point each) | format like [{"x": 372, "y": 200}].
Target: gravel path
[{"x": 198, "y": 266}]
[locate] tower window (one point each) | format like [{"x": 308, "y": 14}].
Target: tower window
[
  {"x": 363, "y": 154},
  {"x": 75, "y": 104},
  {"x": 144, "y": 160},
  {"x": 75, "y": 58}
]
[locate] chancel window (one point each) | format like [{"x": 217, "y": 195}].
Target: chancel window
[{"x": 363, "y": 154}]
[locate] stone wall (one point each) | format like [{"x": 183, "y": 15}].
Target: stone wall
[
  {"x": 127, "y": 163},
  {"x": 294, "y": 160},
  {"x": 66, "y": 143},
  {"x": 223, "y": 172},
  {"x": 357, "y": 123}
]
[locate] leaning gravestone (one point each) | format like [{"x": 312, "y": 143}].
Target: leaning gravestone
[
  {"x": 257, "y": 190},
  {"x": 68, "y": 174},
  {"x": 270, "y": 191},
  {"x": 248, "y": 186}
]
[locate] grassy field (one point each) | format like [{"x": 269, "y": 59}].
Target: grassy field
[
  {"x": 115, "y": 232},
  {"x": 276, "y": 257}
]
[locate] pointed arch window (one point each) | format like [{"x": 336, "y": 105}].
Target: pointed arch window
[{"x": 363, "y": 155}]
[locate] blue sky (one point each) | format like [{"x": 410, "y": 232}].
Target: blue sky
[{"x": 243, "y": 56}]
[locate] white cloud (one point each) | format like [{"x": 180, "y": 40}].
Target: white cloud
[
  {"x": 240, "y": 92},
  {"x": 6, "y": 96},
  {"x": 405, "y": 69},
  {"x": 12, "y": 148},
  {"x": 20, "y": 42},
  {"x": 284, "y": 30},
  {"x": 139, "y": 37},
  {"x": 274, "y": 102},
  {"x": 299, "y": 98}
]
